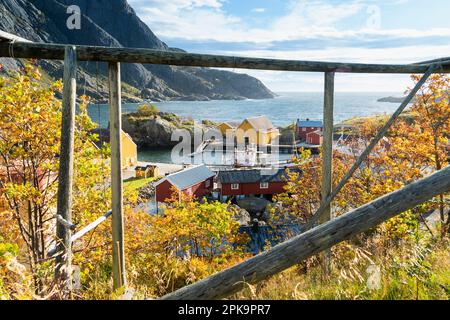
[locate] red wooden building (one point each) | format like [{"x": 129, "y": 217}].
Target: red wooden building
[
  {"x": 314, "y": 138},
  {"x": 303, "y": 127},
  {"x": 252, "y": 182},
  {"x": 196, "y": 181}
]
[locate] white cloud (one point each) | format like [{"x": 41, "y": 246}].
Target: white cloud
[
  {"x": 200, "y": 20},
  {"x": 399, "y": 55},
  {"x": 259, "y": 10},
  {"x": 180, "y": 4},
  {"x": 301, "y": 81},
  {"x": 206, "y": 21}
]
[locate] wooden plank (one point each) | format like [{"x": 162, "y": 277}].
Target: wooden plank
[
  {"x": 115, "y": 123},
  {"x": 64, "y": 204},
  {"x": 327, "y": 146},
  {"x": 90, "y": 226},
  {"x": 366, "y": 152},
  {"x": 83, "y": 231},
  {"x": 326, "y": 235},
  {"x": 443, "y": 62},
  {"x": 149, "y": 56},
  {"x": 9, "y": 37},
  {"x": 327, "y": 157}
]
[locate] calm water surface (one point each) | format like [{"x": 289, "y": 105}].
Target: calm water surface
[{"x": 283, "y": 110}]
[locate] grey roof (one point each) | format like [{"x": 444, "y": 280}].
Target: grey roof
[
  {"x": 253, "y": 176},
  {"x": 261, "y": 123},
  {"x": 309, "y": 123},
  {"x": 188, "y": 177}
]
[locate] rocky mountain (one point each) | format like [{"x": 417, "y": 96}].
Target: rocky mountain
[{"x": 114, "y": 23}]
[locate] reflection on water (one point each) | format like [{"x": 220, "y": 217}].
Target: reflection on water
[{"x": 155, "y": 155}]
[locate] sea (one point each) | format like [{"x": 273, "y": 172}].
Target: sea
[{"x": 283, "y": 110}]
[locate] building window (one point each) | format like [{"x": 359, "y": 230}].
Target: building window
[
  {"x": 304, "y": 129},
  {"x": 234, "y": 186},
  {"x": 263, "y": 185},
  {"x": 207, "y": 183}
]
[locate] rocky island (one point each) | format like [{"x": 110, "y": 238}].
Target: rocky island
[
  {"x": 392, "y": 99},
  {"x": 151, "y": 128}
]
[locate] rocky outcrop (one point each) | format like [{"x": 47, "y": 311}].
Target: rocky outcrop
[
  {"x": 155, "y": 129},
  {"x": 146, "y": 193},
  {"x": 114, "y": 23},
  {"x": 255, "y": 206},
  {"x": 392, "y": 99},
  {"x": 241, "y": 215},
  {"x": 150, "y": 131}
]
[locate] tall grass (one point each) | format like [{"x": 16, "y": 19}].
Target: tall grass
[{"x": 403, "y": 272}]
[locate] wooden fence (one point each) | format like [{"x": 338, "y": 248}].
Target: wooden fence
[{"x": 279, "y": 257}]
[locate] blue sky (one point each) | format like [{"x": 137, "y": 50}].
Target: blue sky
[{"x": 386, "y": 31}]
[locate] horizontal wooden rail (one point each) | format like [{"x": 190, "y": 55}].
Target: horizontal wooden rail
[
  {"x": 326, "y": 235},
  {"x": 8, "y": 37},
  {"x": 90, "y": 226},
  {"x": 442, "y": 61},
  {"x": 149, "y": 56},
  {"x": 83, "y": 231}
]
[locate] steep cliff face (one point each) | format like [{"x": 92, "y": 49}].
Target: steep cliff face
[{"x": 114, "y": 23}]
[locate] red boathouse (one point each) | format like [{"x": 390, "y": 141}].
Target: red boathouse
[
  {"x": 314, "y": 138},
  {"x": 303, "y": 127},
  {"x": 196, "y": 181},
  {"x": 252, "y": 182}
]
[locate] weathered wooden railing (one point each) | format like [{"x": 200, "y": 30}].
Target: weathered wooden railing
[
  {"x": 281, "y": 256},
  {"x": 315, "y": 240},
  {"x": 150, "y": 56},
  {"x": 80, "y": 233}
]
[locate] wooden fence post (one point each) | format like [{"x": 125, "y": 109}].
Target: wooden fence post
[
  {"x": 64, "y": 204},
  {"x": 327, "y": 156},
  {"x": 115, "y": 123},
  {"x": 369, "y": 148}
]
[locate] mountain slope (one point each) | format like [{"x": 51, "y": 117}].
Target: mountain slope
[{"x": 114, "y": 23}]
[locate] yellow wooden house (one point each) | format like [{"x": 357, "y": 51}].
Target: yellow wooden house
[
  {"x": 129, "y": 150},
  {"x": 226, "y": 126},
  {"x": 256, "y": 130}
]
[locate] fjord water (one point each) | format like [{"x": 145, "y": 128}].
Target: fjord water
[{"x": 283, "y": 110}]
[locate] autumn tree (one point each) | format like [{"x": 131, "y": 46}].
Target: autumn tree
[
  {"x": 201, "y": 228},
  {"x": 30, "y": 131},
  {"x": 416, "y": 145},
  {"x": 431, "y": 111}
]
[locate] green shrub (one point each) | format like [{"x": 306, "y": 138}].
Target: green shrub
[{"x": 147, "y": 110}]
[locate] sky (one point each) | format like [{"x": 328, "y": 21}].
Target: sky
[{"x": 385, "y": 31}]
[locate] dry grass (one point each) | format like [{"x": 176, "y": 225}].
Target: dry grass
[{"x": 421, "y": 272}]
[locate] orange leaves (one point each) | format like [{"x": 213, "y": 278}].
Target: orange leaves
[
  {"x": 415, "y": 145},
  {"x": 206, "y": 229},
  {"x": 30, "y": 130}
]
